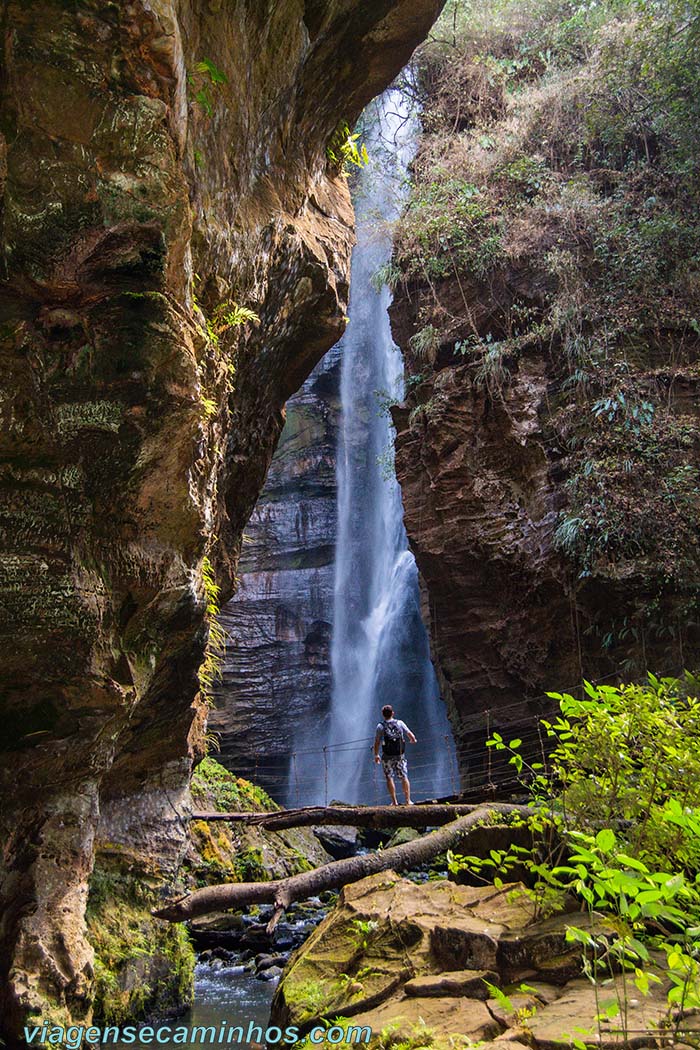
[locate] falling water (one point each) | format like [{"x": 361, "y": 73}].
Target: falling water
[{"x": 380, "y": 652}]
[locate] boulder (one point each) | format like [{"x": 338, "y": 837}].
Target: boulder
[
  {"x": 264, "y": 962},
  {"x": 470, "y": 983},
  {"x": 403, "y": 835},
  {"x": 339, "y": 840},
  {"x": 404, "y": 958},
  {"x": 272, "y": 974},
  {"x": 445, "y": 1022},
  {"x": 385, "y": 931},
  {"x": 542, "y": 947}
]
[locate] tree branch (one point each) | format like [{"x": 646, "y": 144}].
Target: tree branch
[{"x": 283, "y": 892}]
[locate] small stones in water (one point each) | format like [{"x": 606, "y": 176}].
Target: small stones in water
[
  {"x": 264, "y": 962},
  {"x": 272, "y": 974},
  {"x": 254, "y": 951}
]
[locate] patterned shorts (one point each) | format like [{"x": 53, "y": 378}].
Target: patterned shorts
[{"x": 395, "y": 768}]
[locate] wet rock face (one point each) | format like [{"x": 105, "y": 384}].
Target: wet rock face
[
  {"x": 134, "y": 436},
  {"x": 276, "y": 673}
]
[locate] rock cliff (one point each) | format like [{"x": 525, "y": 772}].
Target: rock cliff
[
  {"x": 276, "y": 673},
  {"x": 545, "y": 279},
  {"x": 163, "y": 183}
]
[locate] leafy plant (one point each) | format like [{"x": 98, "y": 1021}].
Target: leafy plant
[
  {"x": 620, "y": 789},
  {"x": 634, "y": 414},
  {"x": 364, "y": 929},
  {"x": 210, "y": 668},
  {"x": 205, "y": 79},
  {"x": 345, "y": 151},
  {"x": 388, "y": 274},
  {"x": 426, "y": 343}
]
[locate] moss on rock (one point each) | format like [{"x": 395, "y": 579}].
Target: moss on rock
[
  {"x": 143, "y": 967},
  {"x": 242, "y": 854}
]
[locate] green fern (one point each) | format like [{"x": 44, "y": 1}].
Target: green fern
[
  {"x": 211, "y": 667},
  {"x": 426, "y": 343}
]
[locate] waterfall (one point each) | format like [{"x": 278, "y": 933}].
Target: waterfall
[{"x": 379, "y": 650}]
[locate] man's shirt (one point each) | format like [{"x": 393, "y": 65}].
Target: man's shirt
[{"x": 379, "y": 734}]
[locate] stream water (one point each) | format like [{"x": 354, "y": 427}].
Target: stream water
[
  {"x": 380, "y": 651},
  {"x": 228, "y": 996},
  {"x": 223, "y": 999}
]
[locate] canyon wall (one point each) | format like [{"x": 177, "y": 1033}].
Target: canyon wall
[
  {"x": 545, "y": 272},
  {"x": 162, "y": 165},
  {"x": 276, "y": 675}
]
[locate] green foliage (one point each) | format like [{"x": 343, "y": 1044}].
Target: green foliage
[
  {"x": 345, "y": 151},
  {"x": 555, "y": 212},
  {"x": 389, "y": 274},
  {"x": 310, "y": 998},
  {"x": 397, "y": 1036},
  {"x": 229, "y": 793},
  {"x": 364, "y": 930},
  {"x": 447, "y": 227},
  {"x": 634, "y": 416},
  {"x": 249, "y": 866},
  {"x": 210, "y": 668},
  {"x": 142, "y": 966},
  {"x": 230, "y": 315},
  {"x": 634, "y": 470},
  {"x": 621, "y": 833},
  {"x": 621, "y": 753},
  {"x": 206, "y": 79},
  {"x": 426, "y": 343}
]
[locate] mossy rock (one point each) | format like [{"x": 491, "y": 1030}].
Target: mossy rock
[
  {"x": 143, "y": 967},
  {"x": 235, "y": 853}
]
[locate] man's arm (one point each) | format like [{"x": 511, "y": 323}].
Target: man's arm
[
  {"x": 412, "y": 739},
  {"x": 377, "y": 741}
]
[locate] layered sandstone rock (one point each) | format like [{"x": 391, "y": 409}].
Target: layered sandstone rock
[
  {"x": 134, "y": 177},
  {"x": 439, "y": 963},
  {"x": 480, "y": 504},
  {"x": 276, "y": 675},
  {"x": 548, "y": 445}
]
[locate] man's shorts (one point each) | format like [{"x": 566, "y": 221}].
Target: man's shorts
[{"x": 396, "y": 768}]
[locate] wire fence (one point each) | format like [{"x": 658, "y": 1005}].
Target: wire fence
[
  {"x": 472, "y": 771},
  {"x": 471, "y": 766}
]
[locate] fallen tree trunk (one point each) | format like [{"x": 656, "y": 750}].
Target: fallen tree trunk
[
  {"x": 283, "y": 892},
  {"x": 354, "y": 816}
]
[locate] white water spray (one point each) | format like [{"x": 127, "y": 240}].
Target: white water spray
[{"x": 380, "y": 651}]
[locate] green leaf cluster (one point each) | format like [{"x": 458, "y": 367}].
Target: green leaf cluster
[
  {"x": 616, "y": 808},
  {"x": 345, "y": 150},
  {"x": 206, "y": 79}
]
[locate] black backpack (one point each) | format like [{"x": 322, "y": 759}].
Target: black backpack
[{"x": 393, "y": 743}]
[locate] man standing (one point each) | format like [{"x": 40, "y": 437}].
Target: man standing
[{"x": 390, "y": 734}]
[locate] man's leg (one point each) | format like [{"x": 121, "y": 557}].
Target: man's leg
[
  {"x": 406, "y": 785},
  {"x": 392, "y": 789}
]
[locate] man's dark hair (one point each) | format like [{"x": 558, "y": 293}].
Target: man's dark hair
[{"x": 387, "y": 711}]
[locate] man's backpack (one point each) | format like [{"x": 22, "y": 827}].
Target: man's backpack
[{"x": 393, "y": 743}]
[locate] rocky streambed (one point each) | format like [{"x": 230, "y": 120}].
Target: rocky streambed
[
  {"x": 240, "y": 941},
  {"x": 435, "y": 964}
]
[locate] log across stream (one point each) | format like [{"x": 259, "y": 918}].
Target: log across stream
[{"x": 283, "y": 892}]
